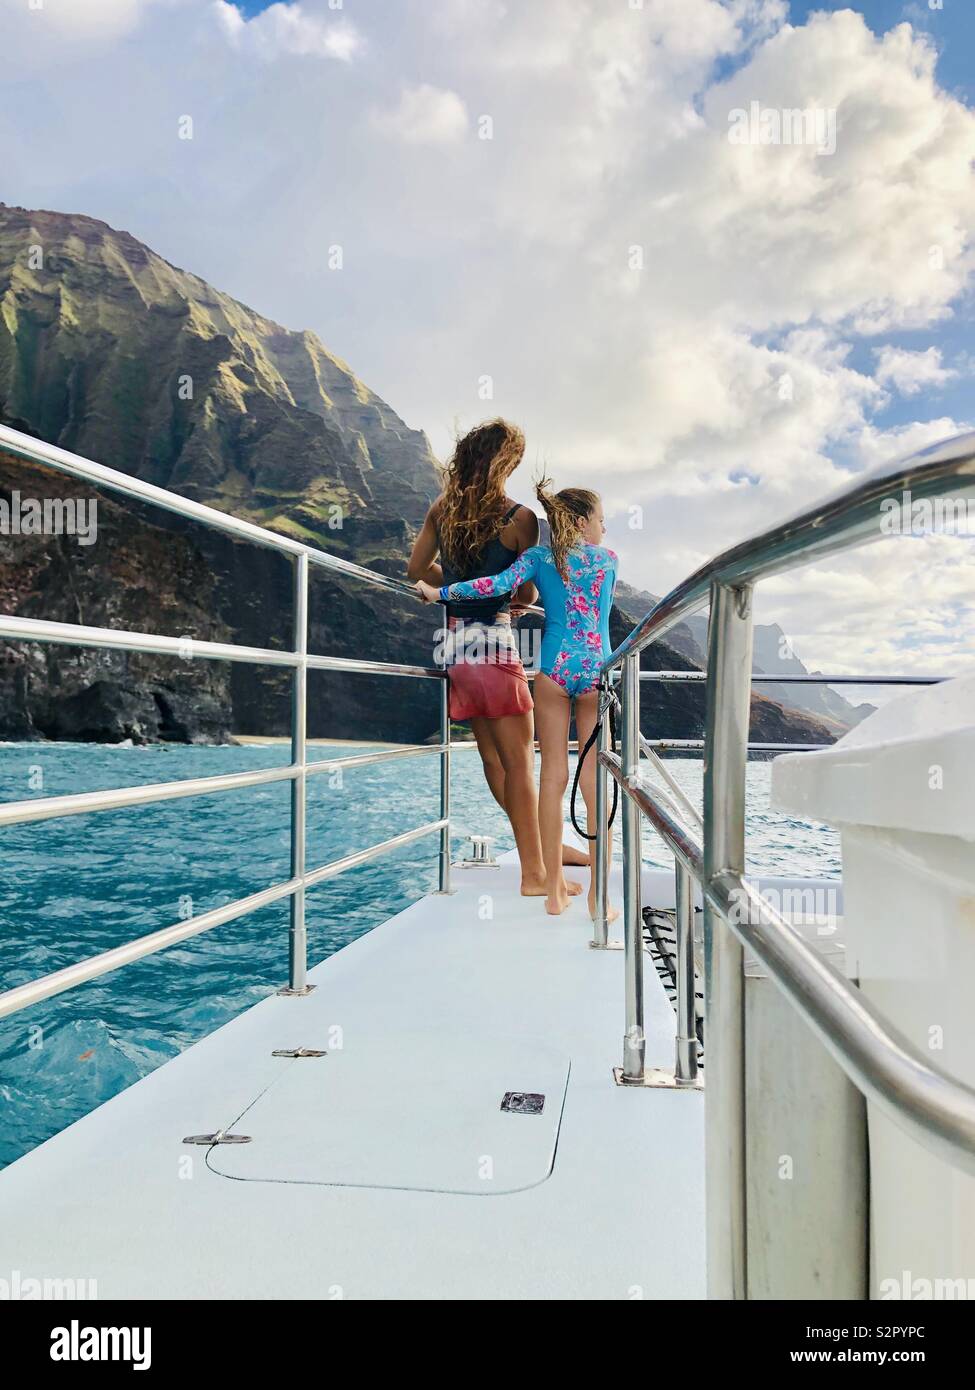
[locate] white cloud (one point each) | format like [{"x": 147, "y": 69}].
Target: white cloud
[
  {"x": 876, "y": 446},
  {"x": 425, "y": 115},
  {"x": 79, "y": 17},
  {"x": 302, "y": 28},
  {"x": 712, "y": 387},
  {"x": 62, "y": 26},
  {"x": 901, "y": 607},
  {"x": 904, "y": 605},
  {"x": 909, "y": 371},
  {"x": 289, "y": 29}
]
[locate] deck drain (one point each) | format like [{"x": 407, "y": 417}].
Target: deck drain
[{"x": 523, "y": 1102}]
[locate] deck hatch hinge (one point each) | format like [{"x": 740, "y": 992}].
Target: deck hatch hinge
[
  {"x": 298, "y": 1052},
  {"x": 523, "y": 1102},
  {"x": 220, "y": 1137}
]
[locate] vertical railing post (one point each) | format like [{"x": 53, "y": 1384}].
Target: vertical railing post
[
  {"x": 685, "y": 1071},
  {"x": 634, "y": 1042},
  {"x": 445, "y": 776},
  {"x": 725, "y": 765},
  {"x": 604, "y": 841},
  {"x": 298, "y": 936}
]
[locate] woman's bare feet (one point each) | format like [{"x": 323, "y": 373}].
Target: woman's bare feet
[
  {"x": 577, "y": 858},
  {"x": 533, "y": 887},
  {"x": 538, "y": 888},
  {"x": 557, "y": 902}
]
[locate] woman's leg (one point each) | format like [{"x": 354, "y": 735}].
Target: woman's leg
[
  {"x": 578, "y": 858},
  {"x": 552, "y": 725},
  {"x": 490, "y": 759},
  {"x": 587, "y": 710},
  {"x": 513, "y": 739},
  {"x": 494, "y": 774}
]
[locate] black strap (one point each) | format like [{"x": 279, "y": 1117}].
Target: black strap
[
  {"x": 582, "y": 758},
  {"x": 504, "y": 521}
]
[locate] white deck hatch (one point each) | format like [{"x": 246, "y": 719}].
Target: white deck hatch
[{"x": 423, "y": 1114}]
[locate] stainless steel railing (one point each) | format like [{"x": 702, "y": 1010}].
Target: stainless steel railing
[
  {"x": 936, "y": 1109},
  {"x": 763, "y": 678},
  {"x": 298, "y": 659}
]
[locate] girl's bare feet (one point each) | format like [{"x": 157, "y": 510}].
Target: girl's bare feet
[{"x": 611, "y": 912}]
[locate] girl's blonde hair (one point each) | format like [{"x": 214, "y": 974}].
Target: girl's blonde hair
[
  {"x": 472, "y": 510},
  {"x": 564, "y": 511}
]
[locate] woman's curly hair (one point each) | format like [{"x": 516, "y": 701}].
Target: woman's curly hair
[
  {"x": 472, "y": 509},
  {"x": 564, "y": 511}
]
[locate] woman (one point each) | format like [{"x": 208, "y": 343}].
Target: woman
[
  {"x": 476, "y": 530},
  {"x": 576, "y": 575}
]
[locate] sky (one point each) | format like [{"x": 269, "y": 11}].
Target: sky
[{"x": 551, "y": 211}]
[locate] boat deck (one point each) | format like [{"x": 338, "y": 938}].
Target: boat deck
[{"x": 387, "y": 1169}]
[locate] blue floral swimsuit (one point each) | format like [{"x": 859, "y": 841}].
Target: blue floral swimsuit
[{"x": 576, "y": 639}]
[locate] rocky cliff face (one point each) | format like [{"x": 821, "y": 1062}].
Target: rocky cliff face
[
  {"x": 137, "y": 577},
  {"x": 147, "y": 573},
  {"x": 109, "y": 351}
]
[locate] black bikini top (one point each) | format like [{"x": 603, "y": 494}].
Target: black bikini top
[{"x": 493, "y": 559}]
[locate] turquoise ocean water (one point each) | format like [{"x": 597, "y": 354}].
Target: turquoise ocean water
[{"x": 72, "y": 888}]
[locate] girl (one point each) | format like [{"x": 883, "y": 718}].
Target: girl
[
  {"x": 576, "y": 577},
  {"x": 476, "y": 530}
]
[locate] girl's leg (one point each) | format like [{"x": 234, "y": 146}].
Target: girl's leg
[
  {"x": 513, "y": 737},
  {"x": 587, "y": 709},
  {"x": 552, "y": 725}
]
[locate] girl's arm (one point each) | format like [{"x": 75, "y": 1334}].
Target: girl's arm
[
  {"x": 490, "y": 586},
  {"x": 425, "y": 550},
  {"x": 613, "y": 576},
  {"x": 606, "y": 597}
]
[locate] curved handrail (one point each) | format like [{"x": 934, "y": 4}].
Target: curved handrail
[
  {"x": 842, "y": 519},
  {"x": 51, "y": 456},
  {"x": 934, "y": 1108},
  {"x": 299, "y": 661},
  {"x": 25, "y": 446}
]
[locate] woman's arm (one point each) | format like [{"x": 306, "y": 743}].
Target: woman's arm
[
  {"x": 526, "y": 524},
  {"x": 425, "y": 550},
  {"x": 490, "y": 586}
]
